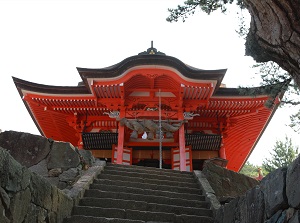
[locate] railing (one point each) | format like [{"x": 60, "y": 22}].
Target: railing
[
  {"x": 203, "y": 141},
  {"x": 98, "y": 140}
]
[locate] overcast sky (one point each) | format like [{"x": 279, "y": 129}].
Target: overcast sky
[{"x": 44, "y": 41}]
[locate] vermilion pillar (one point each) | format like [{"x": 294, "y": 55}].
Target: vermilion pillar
[
  {"x": 222, "y": 153},
  {"x": 80, "y": 141},
  {"x": 121, "y": 130},
  {"x": 182, "y": 154}
]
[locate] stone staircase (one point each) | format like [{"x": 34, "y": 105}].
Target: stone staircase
[{"x": 125, "y": 194}]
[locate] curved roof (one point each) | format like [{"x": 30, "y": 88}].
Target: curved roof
[
  {"x": 160, "y": 60},
  {"x": 134, "y": 82}
]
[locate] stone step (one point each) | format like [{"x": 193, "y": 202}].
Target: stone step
[
  {"x": 126, "y": 178},
  {"x": 146, "y": 198},
  {"x": 134, "y": 168},
  {"x": 90, "y": 219},
  {"x": 151, "y": 186},
  {"x": 143, "y": 206},
  {"x": 119, "y": 186},
  {"x": 139, "y": 215},
  {"x": 148, "y": 175}
]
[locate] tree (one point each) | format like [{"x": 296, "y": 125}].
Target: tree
[
  {"x": 251, "y": 170},
  {"x": 274, "y": 33},
  {"x": 282, "y": 155}
]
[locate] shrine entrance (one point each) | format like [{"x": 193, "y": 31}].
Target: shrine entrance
[{"x": 152, "y": 109}]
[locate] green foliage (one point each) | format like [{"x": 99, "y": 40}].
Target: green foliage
[
  {"x": 282, "y": 155},
  {"x": 275, "y": 82},
  {"x": 295, "y": 122},
  {"x": 189, "y": 7},
  {"x": 251, "y": 170}
]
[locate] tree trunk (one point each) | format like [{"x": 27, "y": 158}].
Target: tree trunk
[{"x": 274, "y": 33}]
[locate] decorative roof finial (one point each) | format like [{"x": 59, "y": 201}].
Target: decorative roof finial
[{"x": 152, "y": 51}]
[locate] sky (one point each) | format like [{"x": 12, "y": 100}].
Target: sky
[{"x": 44, "y": 41}]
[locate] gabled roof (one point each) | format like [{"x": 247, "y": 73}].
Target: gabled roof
[{"x": 129, "y": 80}]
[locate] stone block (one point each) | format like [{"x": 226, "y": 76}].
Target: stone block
[
  {"x": 69, "y": 176},
  {"x": 227, "y": 184},
  {"x": 54, "y": 181},
  {"x": 54, "y": 172},
  {"x": 40, "y": 168},
  {"x": 65, "y": 206},
  {"x": 87, "y": 156},
  {"x": 273, "y": 188},
  {"x": 230, "y": 210},
  {"x": 254, "y": 203},
  {"x": 63, "y": 155},
  {"x": 55, "y": 199},
  {"x": 41, "y": 191},
  {"x": 293, "y": 184},
  {"x": 275, "y": 217},
  {"x": 4, "y": 198},
  {"x": 14, "y": 176},
  {"x": 20, "y": 203},
  {"x": 35, "y": 214},
  {"x": 295, "y": 218},
  {"x": 62, "y": 185},
  {"x": 26, "y": 148},
  {"x": 3, "y": 218}
]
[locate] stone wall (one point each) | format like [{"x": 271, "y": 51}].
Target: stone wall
[
  {"x": 227, "y": 184},
  {"x": 27, "y": 197},
  {"x": 60, "y": 163},
  {"x": 275, "y": 200},
  {"x": 33, "y": 169}
]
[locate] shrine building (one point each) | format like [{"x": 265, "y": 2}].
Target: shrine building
[{"x": 152, "y": 110}]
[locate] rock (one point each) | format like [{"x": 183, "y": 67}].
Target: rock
[
  {"x": 65, "y": 205},
  {"x": 63, "y": 155},
  {"x": 289, "y": 213},
  {"x": 87, "y": 156},
  {"x": 54, "y": 172},
  {"x": 62, "y": 185},
  {"x": 19, "y": 205},
  {"x": 26, "y": 148},
  {"x": 227, "y": 184},
  {"x": 254, "y": 206},
  {"x": 4, "y": 198},
  {"x": 282, "y": 218},
  {"x": 53, "y": 181},
  {"x": 69, "y": 176},
  {"x": 275, "y": 217},
  {"x": 35, "y": 214},
  {"x": 295, "y": 218},
  {"x": 41, "y": 191},
  {"x": 3, "y": 218},
  {"x": 273, "y": 187},
  {"x": 14, "y": 176},
  {"x": 230, "y": 210},
  {"x": 293, "y": 179},
  {"x": 40, "y": 168},
  {"x": 55, "y": 199}
]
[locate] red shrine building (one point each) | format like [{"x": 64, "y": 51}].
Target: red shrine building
[{"x": 151, "y": 109}]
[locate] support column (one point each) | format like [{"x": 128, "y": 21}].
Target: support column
[
  {"x": 120, "y": 147},
  {"x": 80, "y": 141},
  {"x": 222, "y": 153},
  {"x": 182, "y": 154}
]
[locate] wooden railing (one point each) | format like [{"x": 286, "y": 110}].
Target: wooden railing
[
  {"x": 98, "y": 140},
  {"x": 203, "y": 141}
]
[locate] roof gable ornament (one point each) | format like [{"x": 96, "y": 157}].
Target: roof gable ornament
[{"x": 152, "y": 51}]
